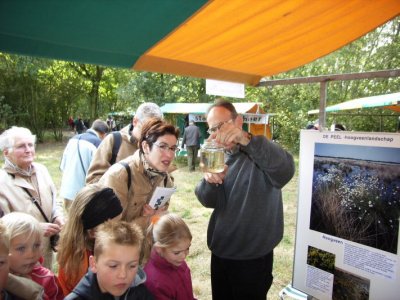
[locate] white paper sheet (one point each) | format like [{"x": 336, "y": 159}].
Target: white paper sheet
[{"x": 161, "y": 196}]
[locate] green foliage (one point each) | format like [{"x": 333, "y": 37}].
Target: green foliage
[
  {"x": 321, "y": 259},
  {"x": 6, "y": 116},
  {"x": 163, "y": 88},
  {"x": 21, "y": 89},
  {"x": 378, "y": 50}
]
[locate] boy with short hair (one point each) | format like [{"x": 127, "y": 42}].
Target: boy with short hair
[{"x": 114, "y": 271}]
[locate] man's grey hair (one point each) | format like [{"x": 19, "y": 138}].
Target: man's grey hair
[
  {"x": 148, "y": 110},
  {"x": 7, "y": 138},
  {"x": 100, "y": 126}
]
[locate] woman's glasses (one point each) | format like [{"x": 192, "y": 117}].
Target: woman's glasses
[{"x": 165, "y": 147}]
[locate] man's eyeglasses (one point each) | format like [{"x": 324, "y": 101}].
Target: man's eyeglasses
[
  {"x": 218, "y": 126},
  {"x": 165, "y": 147}
]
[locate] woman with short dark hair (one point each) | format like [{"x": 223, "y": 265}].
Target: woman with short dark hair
[{"x": 135, "y": 178}]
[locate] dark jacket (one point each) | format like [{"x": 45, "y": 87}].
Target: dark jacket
[
  {"x": 247, "y": 221},
  {"x": 9, "y": 296},
  {"x": 191, "y": 136},
  {"x": 88, "y": 289}
]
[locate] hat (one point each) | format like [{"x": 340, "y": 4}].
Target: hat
[{"x": 103, "y": 206}]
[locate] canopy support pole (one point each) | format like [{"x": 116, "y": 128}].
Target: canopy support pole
[
  {"x": 322, "y": 104},
  {"x": 324, "y": 79}
]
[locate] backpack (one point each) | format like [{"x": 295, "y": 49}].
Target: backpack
[
  {"x": 117, "y": 143},
  {"x": 128, "y": 170}
]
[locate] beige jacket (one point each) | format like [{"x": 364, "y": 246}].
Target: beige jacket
[
  {"x": 101, "y": 159},
  {"x": 13, "y": 197},
  {"x": 24, "y": 288},
  {"x": 143, "y": 183}
]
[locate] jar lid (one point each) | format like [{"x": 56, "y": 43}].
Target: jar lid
[{"x": 212, "y": 144}]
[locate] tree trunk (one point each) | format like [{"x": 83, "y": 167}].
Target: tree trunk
[
  {"x": 94, "y": 93},
  {"x": 95, "y": 78}
]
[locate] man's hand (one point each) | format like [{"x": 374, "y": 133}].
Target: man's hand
[
  {"x": 229, "y": 135},
  {"x": 216, "y": 178}
]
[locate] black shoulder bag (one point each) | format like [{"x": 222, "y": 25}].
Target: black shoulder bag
[
  {"x": 55, "y": 237},
  {"x": 117, "y": 144},
  {"x": 128, "y": 170}
]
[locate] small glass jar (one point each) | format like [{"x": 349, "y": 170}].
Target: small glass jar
[{"x": 212, "y": 158}]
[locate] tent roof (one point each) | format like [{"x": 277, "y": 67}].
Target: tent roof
[
  {"x": 201, "y": 108},
  {"x": 239, "y": 41},
  {"x": 391, "y": 101}
]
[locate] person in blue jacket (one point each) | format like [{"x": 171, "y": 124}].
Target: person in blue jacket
[{"x": 76, "y": 160}]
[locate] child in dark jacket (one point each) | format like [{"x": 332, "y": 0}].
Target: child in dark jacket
[
  {"x": 114, "y": 271},
  {"x": 168, "y": 275}
]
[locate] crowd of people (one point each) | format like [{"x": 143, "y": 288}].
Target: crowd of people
[{"x": 111, "y": 241}]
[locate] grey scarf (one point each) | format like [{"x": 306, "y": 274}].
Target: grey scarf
[{"x": 14, "y": 169}]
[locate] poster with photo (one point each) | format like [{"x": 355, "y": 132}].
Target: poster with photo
[{"x": 347, "y": 235}]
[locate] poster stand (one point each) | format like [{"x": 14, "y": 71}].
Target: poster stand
[
  {"x": 347, "y": 233},
  {"x": 290, "y": 291}
]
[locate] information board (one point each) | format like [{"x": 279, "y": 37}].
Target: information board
[{"x": 347, "y": 235}]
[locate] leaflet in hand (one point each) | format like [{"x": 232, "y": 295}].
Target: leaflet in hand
[{"x": 161, "y": 196}]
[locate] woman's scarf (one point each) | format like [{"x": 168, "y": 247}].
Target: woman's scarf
[
  {"x": 10, "y": 167},
  {"x": 149, "y": 171}
]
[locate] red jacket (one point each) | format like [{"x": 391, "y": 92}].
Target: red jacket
[
  {"x": 49, "y": 281},
  {"x": 166, "y": 281}
]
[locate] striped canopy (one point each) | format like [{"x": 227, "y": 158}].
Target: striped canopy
[
  {"x": 236, "y": 40},
  {"x": 390, "y": 101}
]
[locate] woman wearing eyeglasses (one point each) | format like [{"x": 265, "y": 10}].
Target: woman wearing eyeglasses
[
  {"x": 26, "y": 186},
  {"x": 148, "y": 168}
]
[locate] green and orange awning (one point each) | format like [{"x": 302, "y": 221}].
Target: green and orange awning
[
  {"x": 388, "y": 101},
  {"x": 236, "y": 40}
]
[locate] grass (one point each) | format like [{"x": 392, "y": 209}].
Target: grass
[{"x": 185, "y": 204}]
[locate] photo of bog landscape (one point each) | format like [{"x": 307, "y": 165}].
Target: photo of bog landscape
[{"x": 356, "y": 194}]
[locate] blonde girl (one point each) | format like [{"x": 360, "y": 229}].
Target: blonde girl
[
  {"x": 12, "y": 286},
  {"x": 168, "y": 275},
  {"x": 26, "y": 238},
  {"x": 93, "y": 205}
]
